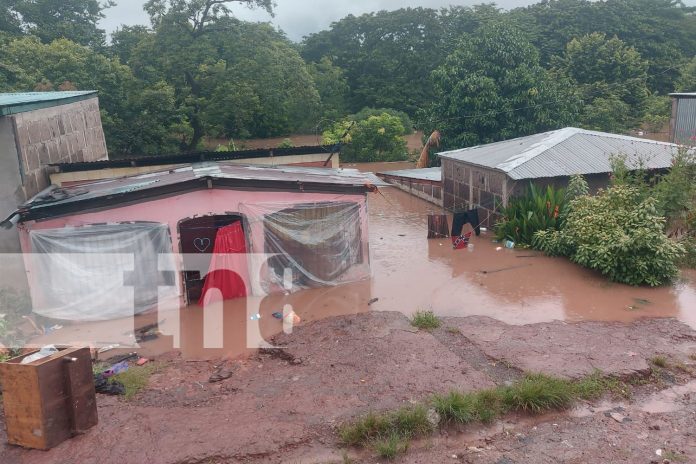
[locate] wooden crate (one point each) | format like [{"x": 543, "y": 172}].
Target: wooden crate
[{"x": 49, "y": 400}]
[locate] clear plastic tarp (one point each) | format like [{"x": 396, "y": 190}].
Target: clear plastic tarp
[
  {"x": 101, "y": 272},
  {"x": 313, "y": 244}
]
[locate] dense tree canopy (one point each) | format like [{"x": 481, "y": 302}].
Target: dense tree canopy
[
  {"x": 475, "y": 73},
  {"x": 493, "y": 88}
]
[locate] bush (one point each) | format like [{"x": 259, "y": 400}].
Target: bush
[
  {"x": 536, "y": 210},
  {"x": 618, "y": 234}
]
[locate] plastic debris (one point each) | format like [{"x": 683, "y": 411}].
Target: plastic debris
[
  {"x": 277, "y": 315},
  {"x": 116, "y": 369},
  {"x": 44, "y": 352},
  {"x": 498, "y": 248},
  {"x": 142, "y": 361},
  {"x": 292, "y": 316},
  {"x": 483, "y": 230},
  {"x": 372, "y": 301},
  {"x": 255, "y": 317},
  {"x": 509, "y": 244}
]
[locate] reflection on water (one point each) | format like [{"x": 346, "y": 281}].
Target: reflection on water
[{"x": 412, "y": 273}]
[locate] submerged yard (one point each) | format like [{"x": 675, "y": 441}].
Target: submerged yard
[{"x": 618, "y": 365}]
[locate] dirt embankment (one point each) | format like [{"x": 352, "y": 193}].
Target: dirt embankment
[{"x": 283, "y": 405}]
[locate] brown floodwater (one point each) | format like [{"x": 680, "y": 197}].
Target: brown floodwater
[{"x": 410, "y": 273}]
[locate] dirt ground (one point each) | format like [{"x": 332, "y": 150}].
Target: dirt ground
[{"x": 282, "y": 406}]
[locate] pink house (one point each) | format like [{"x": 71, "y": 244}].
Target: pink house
[{"x": 119, "y": 245}]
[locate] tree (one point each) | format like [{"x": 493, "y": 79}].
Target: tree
[
  {"x": 374, "y": 138},
  {"x": 492, "y": 88},
  {"x": 687, "y": 77},
  {"x": 386, "y": 56},
  {"x": 332, "y": 86},
  {"x": 76, "y": 20},
  {"x": 136, "y": 119},
  {"x": 185, "y": 51},
  {"x": 126, "y": 39},
  {"x": 612, "y": 79}
]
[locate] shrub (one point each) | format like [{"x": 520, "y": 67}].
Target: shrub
[
  {"x": 425, "y": 320},
  {"x": 538, "y": 209},
  {"x": 618, "y": 234}
]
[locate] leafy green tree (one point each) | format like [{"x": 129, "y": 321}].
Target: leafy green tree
[
  {"x": 76, "y": 20},
  {"x": 332, "y": 86},
  {"x": 136, "y": 119},
  {"x": 492, "y": 88},
  {"x": 375, "y": 138},
  {"x": 126, "y": 39},
  {"x": 612, "y": 79},
  {"x": 387, "y": 56},
  {"x": 662, "y": 31},
  {"x": 687, "y": 77}
]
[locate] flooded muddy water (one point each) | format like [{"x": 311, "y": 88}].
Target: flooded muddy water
[
  {"x": 516, "y": 286},
  {"x": 409, "y": 273}
]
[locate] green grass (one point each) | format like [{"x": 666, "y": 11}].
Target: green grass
[
  {"x": 671, "y": 456},
  {"x": 388, "y": 433},
  {"x": 390, "y": 447},
  {"x": 537, "y": 393},
  {"x": 136, "y": 378},
  {"x": 659, "y": 361},
  {"x": 426, "y": 320},
  {"x": 406, "y": 422}
]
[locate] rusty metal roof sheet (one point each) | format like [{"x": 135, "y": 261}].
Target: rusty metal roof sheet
[
  {"x": 56, "y": 201},
  {"x": 565, "y": 152}
]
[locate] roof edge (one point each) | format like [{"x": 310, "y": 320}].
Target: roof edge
[{"x": 25, "y": 107}]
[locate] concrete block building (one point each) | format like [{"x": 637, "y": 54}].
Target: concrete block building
[
  {"x": 487, "y": 176},
  {"x": 38, "y": 129}
]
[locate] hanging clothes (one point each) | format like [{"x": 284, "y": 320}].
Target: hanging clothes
[
  {"x": 465, "y": 217},
  {"x": 228, "y": 265}
]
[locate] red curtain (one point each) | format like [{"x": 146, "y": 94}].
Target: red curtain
[{"x": 228, "y": 264}]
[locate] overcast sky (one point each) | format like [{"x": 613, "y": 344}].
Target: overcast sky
[{"x": 297, "y": 17}]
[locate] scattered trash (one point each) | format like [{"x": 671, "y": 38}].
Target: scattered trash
[
  {"x": 104, "y": 349},
  {"x": 498, "y": 248},
  {"x": 277, "y": 315},
  {"x": 470, "y": 247},
  {"x": 116, "y": 369},
  {"x": 483, "y": 230},
  {"x": 658, "y": 452},
  {"x": 373, "y": 300},
  {"x": 48, "y": 330},
  {"x": 509, "y": 244},
  {"x": 44, "y": 352},
  {"x": 255, "y": 317},
  {"x": 108, "y": 386},
  {"x": 292, "y": 317},
  {"x": 142, "y": 361}
]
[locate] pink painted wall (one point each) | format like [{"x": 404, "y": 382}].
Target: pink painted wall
[{"x": 172, "y": 210}]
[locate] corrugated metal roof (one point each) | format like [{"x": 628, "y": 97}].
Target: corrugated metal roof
[
  {"x": 433, "y": 174},
  {"x": 565, "y": 152},
  {"x": 19, "y": 102},
  {"x": 56, "y": 201}
]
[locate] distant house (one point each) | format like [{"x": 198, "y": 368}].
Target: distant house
[
  {"x": 486, "y": 176},
  {"x": 37, "y": 129},
  {"x": 682, "y": 124}
]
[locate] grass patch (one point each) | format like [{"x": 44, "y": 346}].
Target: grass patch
[
  {"x": 672, "y": 456},
  {"x": 390, "y": 447},
  {"x": 388, "y": 433},
  {"x": 537, "y": 393},
  {"x": 453, "y": 330},
  {"x": 659, "y": 361},
  {"x": 407, "y": 422},
  {"x": 426, "y": 320},
  {"x": 136, "y": 378}
]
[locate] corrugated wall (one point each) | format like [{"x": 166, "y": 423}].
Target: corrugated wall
[{"x": 685, "y": 121}]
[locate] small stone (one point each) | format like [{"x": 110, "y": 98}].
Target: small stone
[
  {"x": 433, "y": 417},
  {"x": 620, "y": 418}
]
